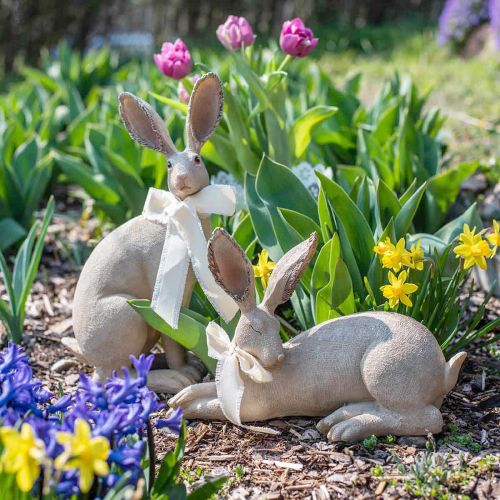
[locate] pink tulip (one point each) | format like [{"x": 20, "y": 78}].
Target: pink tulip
[
  {"x": 296, "y": 39},
  {"x": 183, "y": 93},
  {"x": 174, "y": 60},
  {"x": 235, "y": 33}
]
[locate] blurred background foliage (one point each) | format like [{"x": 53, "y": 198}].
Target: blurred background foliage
[
  {"x": 395, "y": 122},
  {"x": 27, "y": 25}
]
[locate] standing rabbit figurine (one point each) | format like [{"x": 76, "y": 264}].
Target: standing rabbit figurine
[
  {"x": 154, "y": 255},
  {"x": 367, "y": 373}
]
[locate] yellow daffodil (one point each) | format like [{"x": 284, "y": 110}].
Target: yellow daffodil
[
  {"x": 264, "y": 268},
  {"x": 494, "y": 238},
  {"x": 398, "y": 290},
  {"x": 383, "y": 246},
  {"x": 472, "y": 248},
  {"x": 22, "y": 455},
  {"x": 397, "y": 256},
  {"x": 417, "y": 256},
  {"x": 83, "y": 452}
]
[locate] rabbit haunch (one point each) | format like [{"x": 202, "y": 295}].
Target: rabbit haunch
[
  {"x": 124, "y": 265},
  {"x": 368, "y": 373}
]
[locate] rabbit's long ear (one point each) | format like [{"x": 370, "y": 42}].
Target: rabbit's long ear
[
  {"x": 144, "y": 124},
  {"x": 204, "y": 111},
  {"x": 231, "y": 269},
  {"x": 287, "y": 273}
]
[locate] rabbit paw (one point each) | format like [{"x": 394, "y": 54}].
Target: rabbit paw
[
  {"x": 167, "y": 381},
  {"x": 191, "y": 393}
]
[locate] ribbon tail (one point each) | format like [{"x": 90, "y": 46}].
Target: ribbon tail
[
  {"x": 230, "y": 388},
  {"x": 171, "y": 278},
  {"x": 189, "y": 226}
]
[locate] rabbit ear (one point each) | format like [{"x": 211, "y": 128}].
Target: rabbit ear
[
  {"x": 287, "y": 273},
  {"x": 144, "y": 124},
  {"x": 204, "y": 111},
  {"x": 231, "y": 269}
]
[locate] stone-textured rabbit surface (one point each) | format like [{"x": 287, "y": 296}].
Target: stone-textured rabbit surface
[
  {"x": 124, "y": 265},
  {"x": 368, "y": 373}
]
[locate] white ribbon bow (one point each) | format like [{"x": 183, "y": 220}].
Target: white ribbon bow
[
  {"x": 230, "y": 386},
  {"x": 185, "y": 242}
]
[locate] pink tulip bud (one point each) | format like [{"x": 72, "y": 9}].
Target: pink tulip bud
[
  {"x": 183, "y": 93},
  {"x": 174, "y": 60},
  {"x": 296, "y": 39},
  {"x": 235, "y": 33}
]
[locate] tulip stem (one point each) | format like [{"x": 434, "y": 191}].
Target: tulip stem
[
  {"x": 288, "y": 326},
  {"x": 285, "y": 62}
]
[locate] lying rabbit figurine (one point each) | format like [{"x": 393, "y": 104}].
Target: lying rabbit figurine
[
  {"x": 125, "y": 264},
  {"x": 368, "y": 373}
]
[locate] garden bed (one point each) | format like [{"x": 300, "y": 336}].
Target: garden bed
[{"x": 299, "y": 462}]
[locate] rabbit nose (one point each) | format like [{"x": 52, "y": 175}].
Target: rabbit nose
[{"x": 181, "y": 181}]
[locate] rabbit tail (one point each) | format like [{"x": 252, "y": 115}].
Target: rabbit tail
[{"x": 451, "y": 371}]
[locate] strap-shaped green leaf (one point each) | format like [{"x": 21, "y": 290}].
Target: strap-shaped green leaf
[
  {"x": 353, "y": 221},
  {"x": 190, "y": 332},
  {"x": 301, "y": 132}
]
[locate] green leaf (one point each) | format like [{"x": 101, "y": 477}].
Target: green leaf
[
  {"x": 278, "y": 186},
  {"x": 429, "y": 243},
  {"x": 24, "y": 160},
  {"x": 80, "y": 173},
  {"x": 34, "y": 260},
  {"x": 254, "y": 83},
  {"x": 278, "y": 146},
  {"x": 7, "y": 280},
  {"x": 169, "y": 469},
  {"x": 300, "y": 134},
  {"x": 388, "y": 203},
  {"x": 190, "y": 332},
  {"x": 77, "y": 128},
  {"x": 335, "y": 296},
  {"x": 179, "y": 106},
  {"x": 261, "y": 220},
  {"x": 238, "y": 133},
  {"x": 404, "y": 218},
  {"x": 37, "y": 187},
  {"x": 244, "y": 234},
  {"x": 353, "y": 221},
  {"x": 11, "y": 232},
  {"x": 21, "y": 264},
  {"x": 303, "y": 224},
  {"x": 445, "y": 186},
  {"x": 321, "y": 271},
  {"x": 324, "y": 216},
  {"x": 451, "y": 230},
  {"x": 386, "y": 123},
  {"x": 208, "y": 490},
  {"x": 342, "y": 293}
]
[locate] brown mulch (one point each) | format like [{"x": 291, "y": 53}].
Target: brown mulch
[{"x": 299, "y": 463}]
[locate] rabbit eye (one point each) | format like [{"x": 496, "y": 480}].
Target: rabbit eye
[
  {"x": 197, "y": 160},
  {"x": 169, "y": 164}
]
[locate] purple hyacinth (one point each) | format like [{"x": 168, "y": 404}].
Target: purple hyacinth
[
  {"x": 494, "y": 12},
  {"x": 459, "y": 18},
  {"x": 118, "y": 410},
  {"x": 172, "y": 423}
]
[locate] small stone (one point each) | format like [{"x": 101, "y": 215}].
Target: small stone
[
  {"x": 71, "y": 379},
  {"x": 475, "y": 184},
  {"x": 61, "y": 327},
  {"x": 467, "y": 388},
  {"x": 311, "y": 434},
  {"x": 63, "y": 365},
  {"x": 413, "y": 441},
  {"x": 340, "y": 457}
]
